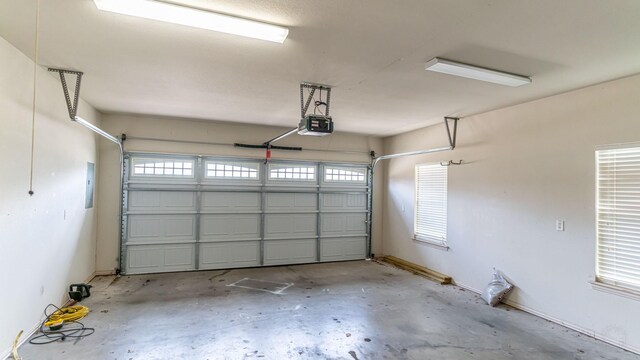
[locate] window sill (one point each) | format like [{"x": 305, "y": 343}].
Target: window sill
[
  {"x": 615, "y": 290},
  {"x": 435, "y": 244}
]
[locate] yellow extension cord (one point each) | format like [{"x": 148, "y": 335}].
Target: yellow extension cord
[{"x": 70, "y": 313}]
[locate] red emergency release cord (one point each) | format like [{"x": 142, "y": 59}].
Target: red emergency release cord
[{"x": 268, "y": 156}]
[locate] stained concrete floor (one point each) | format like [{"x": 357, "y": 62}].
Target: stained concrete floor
[{"x": 348, "y": 310}]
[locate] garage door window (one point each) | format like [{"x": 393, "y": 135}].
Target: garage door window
[
  {"x": 232, "y": 170},
  {"x": 618, "y": 216},
  {"x": 431, "y": 204},
  {"x": 333, "y": 174},
  {"x": 162, "y": 167},
  {"x": 292, "y": 172}
]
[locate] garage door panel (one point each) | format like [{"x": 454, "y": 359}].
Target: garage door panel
[
  {"x": 293, "y": 251},
  {"x": 230, "y": 201},
  {"x": 333, "y": 201},
  {"x": 144, "y": 200},
  {"x": 341, "y": 224},
  {"x": 291, "y": 202},
  {"x": 290, "y": 225},
  {"x": 161, "y": 228},
  {"x": 160, "y": 258},
  {"x": 230, "y": 227},
  {"x": 344, "y": 202},
  {"x": 225, "y": 255},
  {"x": 357, "y": 201},
  {"x": 189, "y": 213},
  {"x": 343, "y": 248},
  {"x": 162, "y": 201}
]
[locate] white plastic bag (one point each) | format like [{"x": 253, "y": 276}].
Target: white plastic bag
[{"x": 497, "y": 288}]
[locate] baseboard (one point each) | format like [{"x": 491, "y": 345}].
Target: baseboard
[
  {"x": 25, "y": 337},
  {"x": 467, "y": 288},
  {"x": 571, "y": 326},
  {"x": 90, "y": 277},
  {"x": 577, "y": 328},
  {"x": 438, "y": 277},
  {"x": 104, "y": 272}
]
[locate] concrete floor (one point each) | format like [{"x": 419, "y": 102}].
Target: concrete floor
[{"x": 349, "y": 310}]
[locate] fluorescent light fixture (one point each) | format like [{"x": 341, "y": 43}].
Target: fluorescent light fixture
[
  {"x": 476, "y": 72},
  {"x": 182, "y": 15}
]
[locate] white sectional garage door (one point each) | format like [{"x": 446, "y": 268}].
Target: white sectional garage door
[{"x": 199, "y": 213}]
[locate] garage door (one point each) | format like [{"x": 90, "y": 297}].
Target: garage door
[{"x": 200, "y": 213}]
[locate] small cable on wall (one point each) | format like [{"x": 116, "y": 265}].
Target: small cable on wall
[{"x": 33, "y": 107}]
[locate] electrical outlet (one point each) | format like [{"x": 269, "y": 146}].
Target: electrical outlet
[{"x": 559, "y": 225}]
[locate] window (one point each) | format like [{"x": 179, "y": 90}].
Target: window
[
  {"x": 288, "y": 172},
  {"x": 344, "y": 174},
  {"x": 232, "y": 170},
  {"x": 162, "y": 167},
  {"x": 618, "y": 216},
  {"x": 431, "y": 203}
]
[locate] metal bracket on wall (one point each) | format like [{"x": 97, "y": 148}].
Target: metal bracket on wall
[
  {"x": 72, "y": 107},
  {"x": 450, "y": 162},
  {"x": 452, "y": 137}
]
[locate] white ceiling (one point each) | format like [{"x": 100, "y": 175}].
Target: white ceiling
[{"x": 372, "y": 52}]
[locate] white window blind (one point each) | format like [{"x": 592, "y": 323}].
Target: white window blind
[
  {"x": 431, "y": 203},
  {"x": 618, "y": 216}
]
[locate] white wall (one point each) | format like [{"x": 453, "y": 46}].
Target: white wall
[
  {"x": 48, "y": 239},
  {"x": 524, "y": 167},
  {"x": 208, "y": 131}
]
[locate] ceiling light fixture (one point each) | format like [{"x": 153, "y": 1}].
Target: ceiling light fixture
[
  {"x": 202, "y": 19},
  {"x": 476, "y": 72}
]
